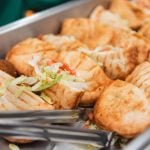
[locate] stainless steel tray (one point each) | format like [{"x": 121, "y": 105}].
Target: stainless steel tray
[{"x": 48, "y": 21}]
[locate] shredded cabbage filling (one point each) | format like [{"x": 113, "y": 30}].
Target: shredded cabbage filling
[{"x": 48, "y": 74}]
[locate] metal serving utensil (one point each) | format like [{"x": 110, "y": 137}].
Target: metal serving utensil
[
  {"x": 55, "y": 133},
  {"x": 41, "y": 116}
]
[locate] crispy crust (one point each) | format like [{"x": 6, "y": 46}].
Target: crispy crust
[
  {"x": 22, "y": 52},
  {"x": 116, "y": 62},
  {"x": 64, "y": 97},
  {"x": 36, "y": 45},
  {"x": 87, "y": 31},
  {"x": 31, "y": 47},
  {"x": 145, "y": 30},
  {"x": 90, "y": 72},
  {"x": 140, "y": 77},
  {"x": 8, "y": 68},
  {"x": 127, "y": 39},
  {"x": 129, "y": 11},
  {"x": 97, "y": 12},
  {"x": 143, "y": 3},
  {"x": 109, "y": 18},
  {"x": 62, "y": 42},
  {"x": 123, "y": 108},
  {"x": 25, "y": 101}
]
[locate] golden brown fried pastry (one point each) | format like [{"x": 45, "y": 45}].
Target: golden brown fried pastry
[
  {"x": 94, "y": 35},
  {"x": 129, "y": 11},
  {"x": 8, "y": 67},
  {"x": 32, "y": 53},
  {"x": 62, "y": 42},
  {"x": 116, "y": 62},
  {"x": 90, "y": 72},
  {"x": 123, "y": 108},
  {"x": 109, "y": 18},
  {"x": 126, "y": 39},
  {"x": 89, "y": 32},
  {"x": 36, "y": 45},
  {"x": 140, "y": 77},
  {"x": 24, "y": 51},
  {"x": 64, "y": 97},
  {"x": 145, "y": 4},
  {"x": 145, "y": 30},
  {"x": 26, "y": 100}
]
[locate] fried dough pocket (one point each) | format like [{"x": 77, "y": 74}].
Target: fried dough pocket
[
  {"x": 21, "y": 62},
  {"x": 25, "y": 101},
  {"x": 123, "y": 108},
  {"x": 89, "y": 71},
  {"x": 109, "y": 18},
  {"x": 23, "y": 52},
  {"x": 129, "y": 11},
  {"x": 65, "y": 97},
  {"x": 87, "y": 31},
  {"x": 127, "y": 39},
  {"x": 140, "y": 77},
  {"x": 95, "y": 34},
  {"x": 116, "y": 62},
  {"x": 29, "y": 46}
]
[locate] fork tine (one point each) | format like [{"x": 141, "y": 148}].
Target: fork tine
[
  {"x": 37, "y": 113},
  {"x": 55, "y": 116}
]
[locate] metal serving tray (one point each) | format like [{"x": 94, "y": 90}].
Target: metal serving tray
[{"x": 48, "y": 21}]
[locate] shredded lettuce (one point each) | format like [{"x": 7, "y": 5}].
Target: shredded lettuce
[
  {"x": 34, "y": 63},
  {"x": 46, "y": 77},
  {"x": 46, "y": 98},
  {"x": 44, "y": 84},
  {"x": 30, "y": 81},
  {"x": 19, "y": 80},
  {"x": 66, "y": 76},
  {"x": 13, "y": 147},
  {"x": 53, "y": 68}
]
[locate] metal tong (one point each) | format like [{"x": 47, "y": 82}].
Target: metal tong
[
  {"x": 41, "y": 116},
  {"x": 34, "y": 125},
  {"x": 55, "y": 133}
]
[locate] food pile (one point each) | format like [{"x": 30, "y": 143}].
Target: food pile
[{"x": 103, "y": 60}]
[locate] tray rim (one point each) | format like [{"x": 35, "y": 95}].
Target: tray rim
[{"x": 41, "y": 15}]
